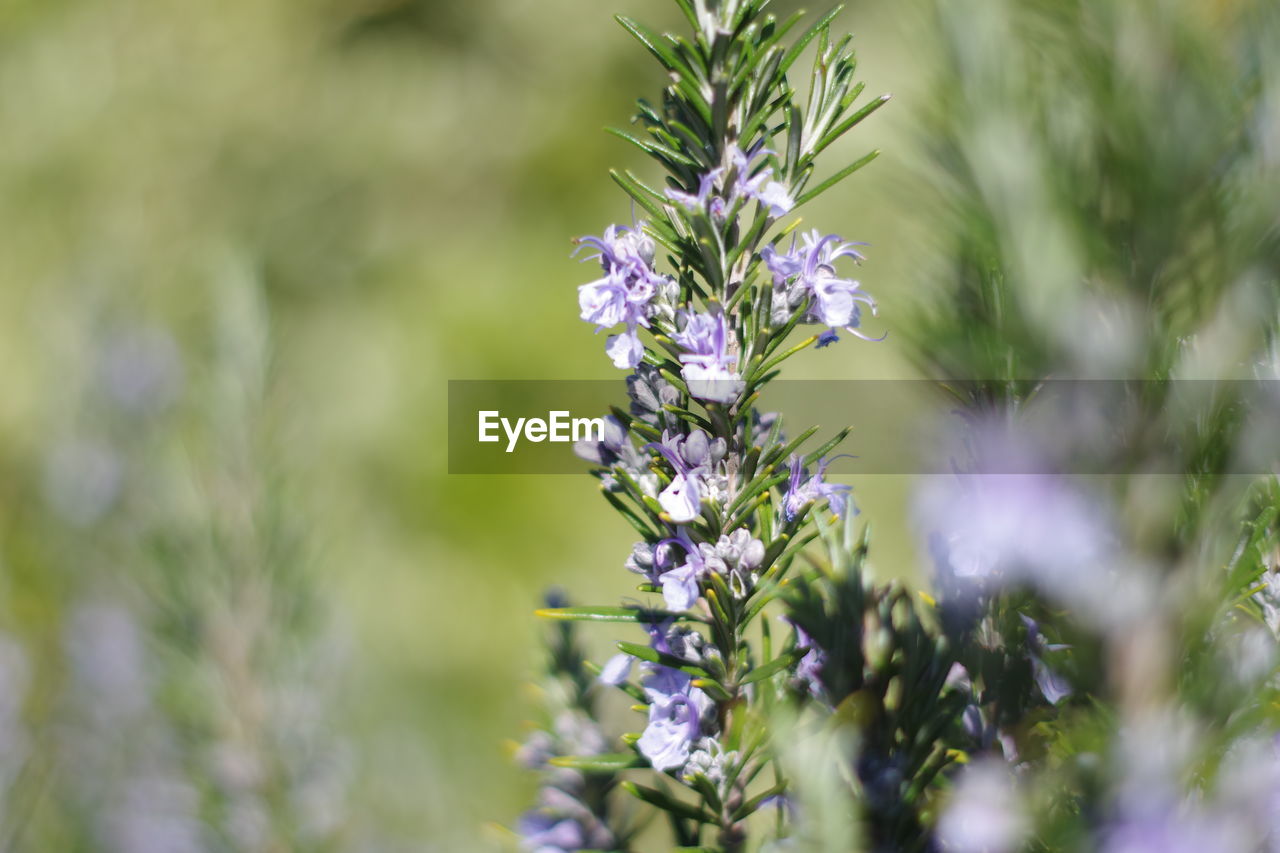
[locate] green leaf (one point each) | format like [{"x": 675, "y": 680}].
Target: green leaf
[
  {"x": 771, "y": 668},
  {"x": 836, "y": 178},
  {"x": 751, "y": 805},
  {"x": 667, "y": 803},
  {"x": 846, "y": 125},
  {"x": 712, "y": 689},
  {"x": 626, "y": 512},
  {"x": 778, "y": 359},
  {"x": 658, "y": 151},
  {"x": 611, "y": 614},
  {"x": 654, "y": 656},
  {"x": 826, "y": 448},
  {"x": 641, "y": 198},
  {"x": 606, "y": 764},
  {"x": 796, "y": 49},
  {"x": 652, "y": 42}
]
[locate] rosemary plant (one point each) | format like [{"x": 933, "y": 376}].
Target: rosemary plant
[{"x": 723, "y": 501}]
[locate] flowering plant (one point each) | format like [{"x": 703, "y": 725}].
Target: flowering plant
[{"x": 881, "y": 719}]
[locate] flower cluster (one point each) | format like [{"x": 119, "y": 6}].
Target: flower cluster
[
  {"x": 562, "y": 819},
  {"x": 630, "y": 293},
  {"x": 802, "y": 492},
  {"x": 679, "y": 713},
  {"x": 708, "y": 359},
  {"x": 738, "y": 180},
  {"x": 804, "y": 278}
]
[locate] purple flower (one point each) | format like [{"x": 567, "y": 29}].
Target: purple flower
[
  {"x": 1052, "y": 686},
  {"x": 607, "y": 451},
  {"x": 707, "y": 361},
  {"x": 809, "y": 668},
  {"x": 735, "y": 557},
  {"x": 758, "y": 187},
  {"x": 807, "y": 275},
  {"x": 682, "y": 498},
  {"x": 625, "y": 350},
  {"x": 617, "y": 669},
  {"x": 680, "y": 585},
  {"x": 650, "y": 394},
  {"x": 1177, "y": 831},
  {"x": 618, "y": 452},
  {"x": 626, "y": 294},
  {"x": 678, "y": 711},
  {"x": 643, "y": 561},
  {"x": 546, "y": 833},
  {"x": 692, "y": 458},
  {"x": 992, "y": 530},
  {"x": 704, "y": 200},
  {"x": 710, "y": 760},
  {"x": 746, "y": 186},
  {"x": 984, "y": 814},
  {"x": 827, "y": 338},
  {"x": 802, "y": 494}
]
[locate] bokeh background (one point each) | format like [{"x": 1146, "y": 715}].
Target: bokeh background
[{"x": 243, "y": 605}]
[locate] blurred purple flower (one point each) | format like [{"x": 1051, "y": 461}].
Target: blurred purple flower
[
  {"x": 991, "y": 530},
  {"x": 809, "y": 668},
  {"x": 1176, "y": 831},
  {"x": 983, "y": 814},
  {"x": 547, "y": 833},
  {"x": 1052, "y": 686}
]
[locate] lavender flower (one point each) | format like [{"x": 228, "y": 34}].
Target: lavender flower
[
  {"x": 713, "y": 762},
  {"x": 801, "y": 494},
  {"x": 1052, "y": 686},
  {"x": 746, "y": 186},
  {"x": 542, "y": 832},
  {"x": 694, "y": 459},
  {"x": 759, "y": 187},
  {"x": 703, "y": 200},
  {"x": 1176, "y": 832},
  {"x": 680, "y": 585},
  {"x": 808, "y": 672},
  {"x": 650, "y": 394},
  {"x": 563, "y": 822},
  {"x": 618, "y": 452},
  {"x": 735, "y": 557},
  {"x": 707, "y": 361},
  {"x": 626, "y": 294},
  {"x": 643, "y": 561},
  {"x": 988, "y": 530},
  {"x": 807, "y": 275},
  {"x": 983, "y": 815},
  {"x": 677, "y": 711}
]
